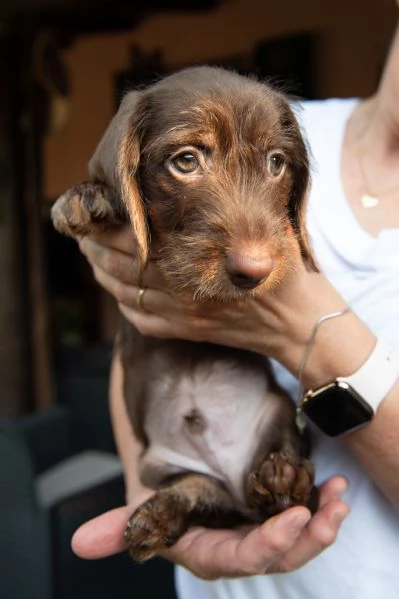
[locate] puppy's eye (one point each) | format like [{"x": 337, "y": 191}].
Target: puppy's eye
[
  {"x": 275, "y": 164},
  {"x": 185, "y": 163}
]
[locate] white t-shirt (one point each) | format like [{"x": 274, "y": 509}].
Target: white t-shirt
[{"x": 364, "y": 561}]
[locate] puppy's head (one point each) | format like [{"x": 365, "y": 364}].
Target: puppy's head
[{"x": 213, "y": 169}]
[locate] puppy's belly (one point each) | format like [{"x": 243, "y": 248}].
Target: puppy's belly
[{"x": 211, "y": 420}]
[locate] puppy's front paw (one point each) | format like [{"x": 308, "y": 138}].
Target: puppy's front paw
[
  {"x": 86, "y": 209},
  {"x": 281, "y": 482},
  {"x": 155, "y": 525}
]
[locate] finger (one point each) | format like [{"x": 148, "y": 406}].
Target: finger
[
  {"x": 119, "y": 238},
  {"x": 332, "y": 489},
  {"x": 157, "y": 314},
  {"x": 213, "y": 554},
  {"x": 119, "y": 259},
  {"x": 124, "y": 293},
  {"x": 104, "y": 535},
  {"x": 162, "y": 301},
  {"x": 269, "y": 542},
  {"x": 151, "y": 276},
  {"x": 134, "y": 304},
  {"x": 319, "y": 534},
  {"x": 118, "y": 264},
  {"x": 152, "y": 325}
]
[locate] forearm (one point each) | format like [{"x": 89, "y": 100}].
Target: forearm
[
  {"x": 341, "y": 347},
  {"x": 129, "y": 448},
  {"x": 375, "y": 446}
]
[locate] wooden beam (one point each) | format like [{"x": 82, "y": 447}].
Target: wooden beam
[{"x": 15, "y": 397}]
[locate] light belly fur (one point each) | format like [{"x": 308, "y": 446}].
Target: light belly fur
[{"x": 237, "y": 409}]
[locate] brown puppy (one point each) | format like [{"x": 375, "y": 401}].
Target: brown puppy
[{"x": 212, "y": 172}]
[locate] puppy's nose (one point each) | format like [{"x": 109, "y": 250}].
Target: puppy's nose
[{"x": 248, "y": 270}]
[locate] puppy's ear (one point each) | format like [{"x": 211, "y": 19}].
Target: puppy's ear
[
  {"x": 116, "y": 162},
  {"x": 298, "y": 200}
]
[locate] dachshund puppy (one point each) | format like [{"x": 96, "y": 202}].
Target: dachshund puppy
[{"x": 211, "y": 171}]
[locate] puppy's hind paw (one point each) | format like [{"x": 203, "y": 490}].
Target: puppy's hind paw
[
  {"x": 280, "y": 483},
  {"x": 155, "y": 525}
]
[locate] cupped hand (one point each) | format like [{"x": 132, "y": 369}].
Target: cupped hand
[{"x": 282, "y": 544}]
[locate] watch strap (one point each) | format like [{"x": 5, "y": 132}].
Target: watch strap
[{"x": 377, "y": 376}]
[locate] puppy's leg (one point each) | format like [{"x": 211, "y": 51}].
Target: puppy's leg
[
  {"x": 190, "y": 500},
  {"x": 283, "y": 480},
  {"x": 88, "y": 208}
]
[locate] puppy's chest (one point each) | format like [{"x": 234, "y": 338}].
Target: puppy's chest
[{"x": 209, "y": 419}]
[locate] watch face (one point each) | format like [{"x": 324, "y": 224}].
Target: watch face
[{"x": 337, "y": 409}]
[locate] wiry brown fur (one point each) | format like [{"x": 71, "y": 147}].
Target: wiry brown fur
[
  {"x": 199, "y": 115},
  {"x": 231, "y": 215}
]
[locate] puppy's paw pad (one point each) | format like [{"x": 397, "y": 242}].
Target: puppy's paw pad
[
  {"x": 281, "y": 482},
  {"x": 155, "y": 525}
]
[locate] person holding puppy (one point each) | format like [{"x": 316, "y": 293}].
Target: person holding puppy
[{"x": 353, "y": 221}]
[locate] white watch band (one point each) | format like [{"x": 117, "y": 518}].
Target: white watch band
[{"x": 377, "y": 376}]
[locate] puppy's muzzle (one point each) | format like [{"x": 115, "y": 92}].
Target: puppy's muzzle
[{"x": 248, "y": 269}]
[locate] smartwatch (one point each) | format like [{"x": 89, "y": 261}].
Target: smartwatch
[{"x": 348, "y": 403}]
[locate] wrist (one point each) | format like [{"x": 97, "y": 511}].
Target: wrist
[
  {"x": 350, "y": 402},
  {"x": 341, "y": 345},
  {"x": 340, "y": 348},
  {"x": 346, "y": 374}
]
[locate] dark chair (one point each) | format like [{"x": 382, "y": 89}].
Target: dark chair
[{"x": 49, "y": 485}]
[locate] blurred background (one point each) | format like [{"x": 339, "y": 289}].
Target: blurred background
[{"x": 64, "y": 65}]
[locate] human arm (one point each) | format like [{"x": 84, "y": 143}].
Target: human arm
[{"x": 271, "y": 324}]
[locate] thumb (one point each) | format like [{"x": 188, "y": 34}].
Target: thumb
[{"x": 102, "y": 536}]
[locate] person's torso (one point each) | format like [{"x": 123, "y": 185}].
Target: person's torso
[{"x": 363, "y": 561}]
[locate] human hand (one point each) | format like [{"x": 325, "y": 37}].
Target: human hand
[
  {"x": 282, "y": 544},
  {"x": 163, "y": 314},
  {"x": 276, "y": 324}
]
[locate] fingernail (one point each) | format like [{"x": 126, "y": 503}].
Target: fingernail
[
  {"x": 339, "y": 516},
  {"x": 343, "y": 488}
]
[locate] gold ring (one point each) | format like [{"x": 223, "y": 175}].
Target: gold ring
[{"x": 139, "y": 298}]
